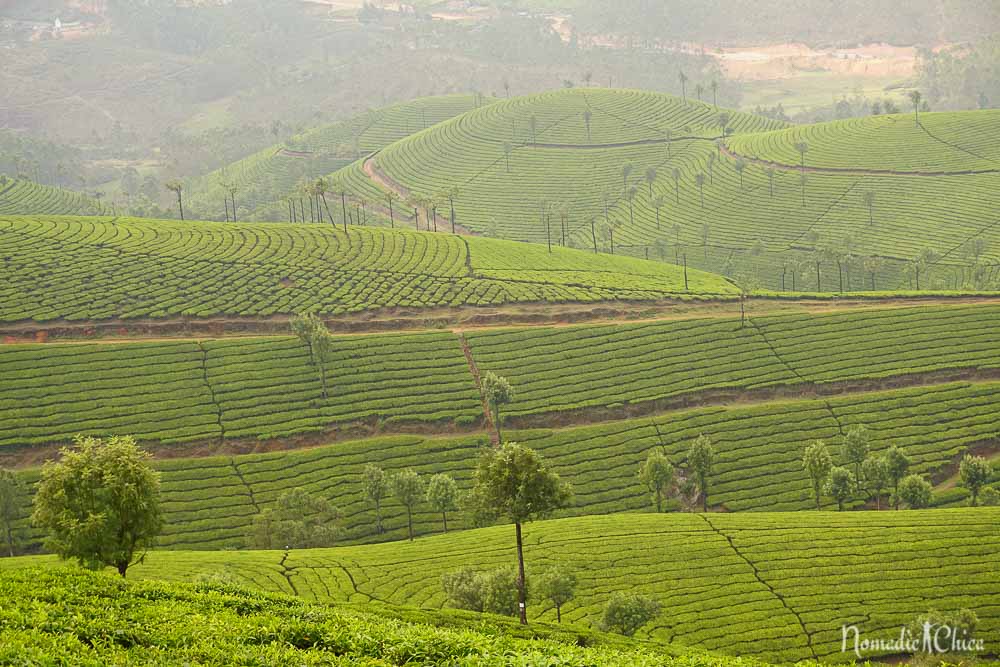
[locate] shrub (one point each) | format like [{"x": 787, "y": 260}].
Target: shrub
[{"x": 625, "y": 613}]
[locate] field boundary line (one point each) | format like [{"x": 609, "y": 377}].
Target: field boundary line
[{"x": 756, "y": 574}]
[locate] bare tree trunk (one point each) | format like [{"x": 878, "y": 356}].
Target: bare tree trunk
[{"x": 521, "y": 601}]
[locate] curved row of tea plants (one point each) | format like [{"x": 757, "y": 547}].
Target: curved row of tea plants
[
  {"x": 210, "y": 502},
  {"x": 152, "y": 622},
  {"x": 942, "y": 142},
  {"x": 771, "y": 586},
  {"x": 87, "y": 269},
  {"x": 20, "y": 196},
  {"x": 265, "y": 179}
]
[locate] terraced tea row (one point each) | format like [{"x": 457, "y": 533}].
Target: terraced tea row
[
  {"x": 742, "y": 584},
  {"x": 685, "y": 198},
  {"x": 265, "y": 180},
  {"x": 210, "y": 502},
  {"x": 942, "y": 142},
  {"x": 20, "y": 197},
  {"x": 89, "y": 269},
  {"x": 230, "y": 388},
  {"x": 177, "y": 391}
]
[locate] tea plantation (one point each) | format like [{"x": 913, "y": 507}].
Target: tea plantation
[
  {"x": 649, "y": 169},
  {"x": 773, "y": 586},
  {"x": 90, "y": 269},
  {"x": 20, "y": 196}
]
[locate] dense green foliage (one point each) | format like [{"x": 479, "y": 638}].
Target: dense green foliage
[
  {"x": 723, "y": 214},
  {"x": 776, "y": 586},
  {"x": 95, "y": 268},
  {"x": 20, "y": 196},
  {"x": 64, "y": 616}
]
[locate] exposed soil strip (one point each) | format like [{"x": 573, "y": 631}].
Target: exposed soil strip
[
  {"x": 28, "y": 456},
  {"x": 460, "y": 318},
  {"x": 474, "y": 370},
  {"x": 852, "y": 171}
]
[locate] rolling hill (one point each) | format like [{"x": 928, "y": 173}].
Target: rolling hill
[
  {"x": 651, "y": 167},
  {"x": 19, "y": 196},
  {"x": 266, "y": 180},
  {"x": 769, "y": 586}
]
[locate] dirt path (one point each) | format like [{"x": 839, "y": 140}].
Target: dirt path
[
  {"x": 457, "y": 319},
  {"x": 388, "y": 183},
  {"x": 850, "y": 171}
]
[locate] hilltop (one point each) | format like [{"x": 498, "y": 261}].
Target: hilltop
[
  {"x": 654, "y": 172},
  {"x": 776, "y": 587}
]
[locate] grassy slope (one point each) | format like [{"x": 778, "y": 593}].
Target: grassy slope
[
  {"x": 266, "y": 177},
  {"x": 83, "y": 268},
  {"x": 721, "y": 234},
  {"x": 191, "y": 391},
  {"x": 21, "y": 197},
  {"x": 210, "y": 501},
  {"x": 220, "y": 624},
  {"x": 775, "y": 586}
]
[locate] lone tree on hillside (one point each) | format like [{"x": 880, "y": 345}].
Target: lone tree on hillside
[
  {"x": 11, "y": 499},
  {"x": 497, "y": 391},
  {"x": 915, "y": 491},
  {"x": 298, "y": 520},
  {"x": 700, "y": 459},
  {"x": 872, "y": 265},
  {"x": 802, "y": 147},
  {"x": 684, "y": 80},
  {"x": 723, "y": 119},
  {"x": 305, "y": 327},
  {"x": 869, "y": 198},
  {"x": 177, "y": 188},
  {"x": 100, "y": 503},
  {"x": 676, "y": 175},
  {"x": 699, "y": 180},
  {"x": 740, "y": 166},
  {"x": 657, "y": 474},
  {"x": 856, "y": 446},
  {"x": 408, "y": 489},
  {"x": 627, "y": 170},
  {"x": 507, "y": 150},
  {"x": 375, "y": 486},
  {"x": 699, "y": 91},
  {"x": 715, "y": 93},
  {"x": 916, "y": 96},
  {"x": 658, "y": 203},
  {"x": 650, "y": 179},
  {"x": 975, "y": 472},
  {"x": 898, "y": 464},
  {"x": 625, "y": 613},
  {"x": 556, "y": 585},
  {"x": 512, "y": 481},
  {"x": 841, "y": 485},
  {"x": 876, "y": 475},
  {"x": 817, "y": 463},
  {"x": 442, "y": 495}
]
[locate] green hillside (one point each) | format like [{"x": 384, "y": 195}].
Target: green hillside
[
  {"x": 19, "y": 196},
  {"x": 770, "y": 586},
  {"x": 219, "y": 624},
  {"x": 942, "y": 142},
  {"x": 98, "y": 268},
  {"x": 726, "y": 215},
  {"x": 265, "y": 180},
  {"x": 210, "y": 501}
]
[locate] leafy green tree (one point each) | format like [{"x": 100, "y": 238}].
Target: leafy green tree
[
  {"x": 869, "y": 198},
  {"x": 323, "y": 346},
  {"x": 375, "y": 486},
  {"x": 802, "y": 147},
  {"x": 627, "y": 170},
  {"x": 556, "y": 585},
  {"x": 442, "y": 495},
  {"x": 497, "y": 391},
  {"x": 875, "y": 470},
  {"x": 408, "y": 489},
  {"x": 100, "y": 503},
  {"x": 463, "y": 589},
  {"x": 650, "y": 179},
  {"x": 11, "y": 498},
  {"x": 305, "y": 326},
  {"x": 500, "y": 591},
  {"x": 915, "y": 491},
  {"x": 657, "y": 474},
  {"x": 898, "y": 464},
  {"x": 915, "y": 97},
  {"x": 740, "y": 166},
  {"x": 513, "y": 482},
  {"x": 625, "y": 613},
  {"x": 658, "y": 203},
  {"x": 989, "y": 497},
  {"x": 818, "y": 463},
  {"x": 975, "y": 472},
  {"x": 700, "y": 459},
  {"x": 298, "y": 520},
  {"x": 841, "y": 485},
  {"x": 856, "y": 446}
]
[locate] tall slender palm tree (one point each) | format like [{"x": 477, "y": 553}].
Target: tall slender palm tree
[
  {"x": 650, "y": 178},
  {"x": 177, "y": 188},
  {"x": 916, "y": 97}
]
